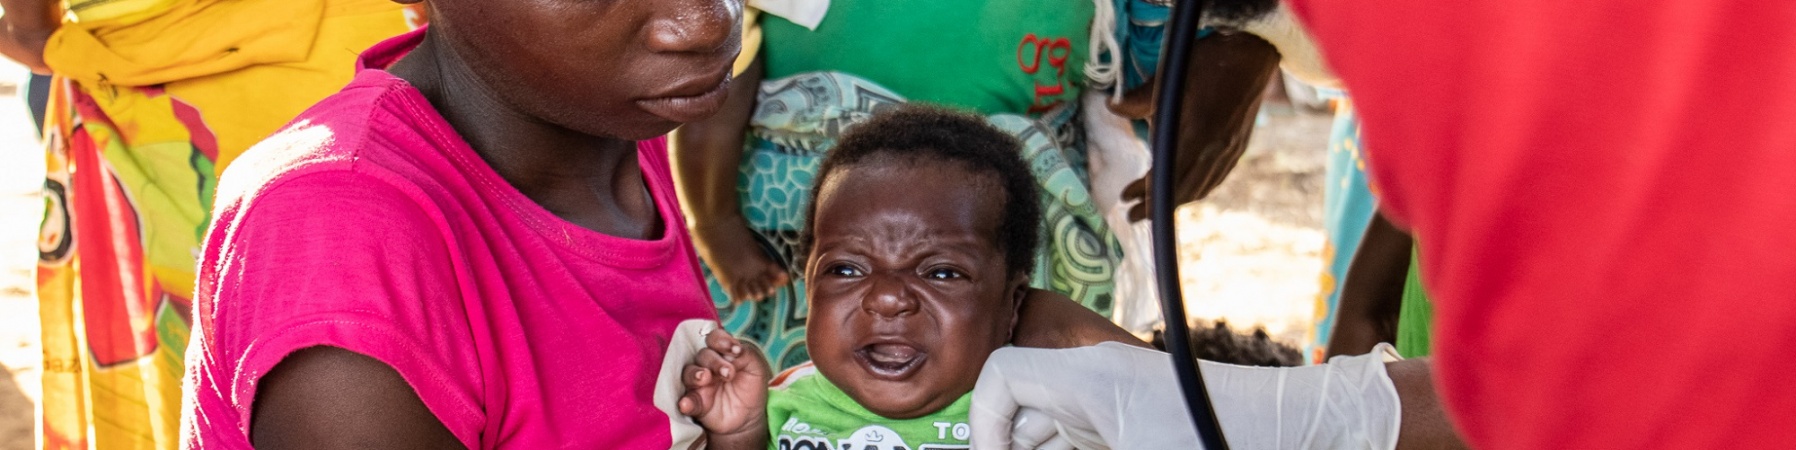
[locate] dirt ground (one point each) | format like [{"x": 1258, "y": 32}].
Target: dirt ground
[{"x": 1250, "y": 254}]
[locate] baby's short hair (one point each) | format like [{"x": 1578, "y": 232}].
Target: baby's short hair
[
  {"x": 909, "y": 133},
  {"x": 1221, "y": 343}
]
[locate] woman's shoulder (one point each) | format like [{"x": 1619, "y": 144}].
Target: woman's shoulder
[
  {"x": 330, "y": 254},
  {"x": 371, "y": 138},
  {"x": 331, "y": 182}
]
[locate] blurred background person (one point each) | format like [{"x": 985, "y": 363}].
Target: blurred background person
[
  {"x": 1348, "y": 206},
  {"x": 1381, "y": 298},
  {"x": 149, "y": 101}
]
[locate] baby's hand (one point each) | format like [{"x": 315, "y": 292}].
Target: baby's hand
[{"x": 726, "y": 389}]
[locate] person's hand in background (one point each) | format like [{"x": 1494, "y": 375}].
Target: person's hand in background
[{"x": 1228, "y": 71}]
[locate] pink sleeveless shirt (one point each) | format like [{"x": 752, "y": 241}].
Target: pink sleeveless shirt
[{"x": 368, "y": 224}]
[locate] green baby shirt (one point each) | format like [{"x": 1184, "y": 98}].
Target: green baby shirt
[{"x": 807, "y": 412}]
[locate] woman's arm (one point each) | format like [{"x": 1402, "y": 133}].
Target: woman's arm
[
  {"x": 331, "y": 398},
  {"x": 707, "y": 157},
  {"x": 1372, "y": 293},
  {"x": 1227, "y": 74},
  {"x": 1424, "y": 422},
  {"x": 25, "y": 29}
]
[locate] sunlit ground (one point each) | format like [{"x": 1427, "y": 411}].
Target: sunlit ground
[
  {"x": 21, "y": 206},
  {"x": 1250, "y": 254}
]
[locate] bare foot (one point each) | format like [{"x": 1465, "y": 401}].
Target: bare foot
[{"x": 741, "y": 266}]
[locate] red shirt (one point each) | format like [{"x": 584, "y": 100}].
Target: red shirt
[{"x": 1606, "y": 193}]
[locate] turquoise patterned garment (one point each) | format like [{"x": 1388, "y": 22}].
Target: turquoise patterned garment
[
  {"x": 1348, "y": 205},
  {"x": 1141, "y": 33},
  {"x": 797, "y": 120}
]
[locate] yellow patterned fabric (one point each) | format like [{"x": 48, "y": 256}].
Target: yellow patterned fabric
[
  {"x": 151, "y": 101},
  {"x": 116, "y": 12},
  {"x": 751, "y": 40}
]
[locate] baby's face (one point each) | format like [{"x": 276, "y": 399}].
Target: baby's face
[{"x": 909, "y": 292}]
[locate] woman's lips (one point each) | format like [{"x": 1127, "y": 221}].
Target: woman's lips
[
  {"x": 890, "y": 361},
  {"x": 688, "y": 109}
]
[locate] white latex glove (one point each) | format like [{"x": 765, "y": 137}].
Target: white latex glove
[{"x": 1118, "y": 396}]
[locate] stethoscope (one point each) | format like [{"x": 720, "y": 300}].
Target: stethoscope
[{"x": 1166, "y": 261}]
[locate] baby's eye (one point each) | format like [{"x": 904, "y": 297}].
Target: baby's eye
[
  {"x": 943, "y": 274},
  {"x": 842, "y": 270}
]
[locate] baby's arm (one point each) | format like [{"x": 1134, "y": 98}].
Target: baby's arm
[{"x": 726, "y": 391}]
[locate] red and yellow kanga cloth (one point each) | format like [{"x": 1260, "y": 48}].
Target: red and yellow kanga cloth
[{"x": 152, "y": 99}]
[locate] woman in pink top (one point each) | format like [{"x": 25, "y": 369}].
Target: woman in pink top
[{"x": 475, "y": 244}]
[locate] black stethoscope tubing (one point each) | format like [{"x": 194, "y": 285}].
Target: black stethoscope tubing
[{"x": 1173, "y": 67}]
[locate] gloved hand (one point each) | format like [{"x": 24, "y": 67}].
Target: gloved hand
[{"x": 1118, "y": 396}]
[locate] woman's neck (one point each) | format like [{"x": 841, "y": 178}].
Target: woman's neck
[{"x": 592, "y": 181}]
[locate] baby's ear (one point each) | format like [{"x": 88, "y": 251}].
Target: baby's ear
[{"x": 1019, "y": 292}]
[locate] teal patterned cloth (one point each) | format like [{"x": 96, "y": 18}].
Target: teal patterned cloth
[
  {"x": 1347, "y": 208},
  {"x": 797, "y": 120}
]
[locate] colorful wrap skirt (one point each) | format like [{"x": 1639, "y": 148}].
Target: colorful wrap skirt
[{"x": 147, "y": 108}]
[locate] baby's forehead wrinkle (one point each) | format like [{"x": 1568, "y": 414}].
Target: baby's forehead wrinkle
[
  {"x": 890, "y": 233},
  {"x": 914, "y": 239}
]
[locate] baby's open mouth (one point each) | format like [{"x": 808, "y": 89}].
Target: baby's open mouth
[{"x": 890, "y": 360}]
